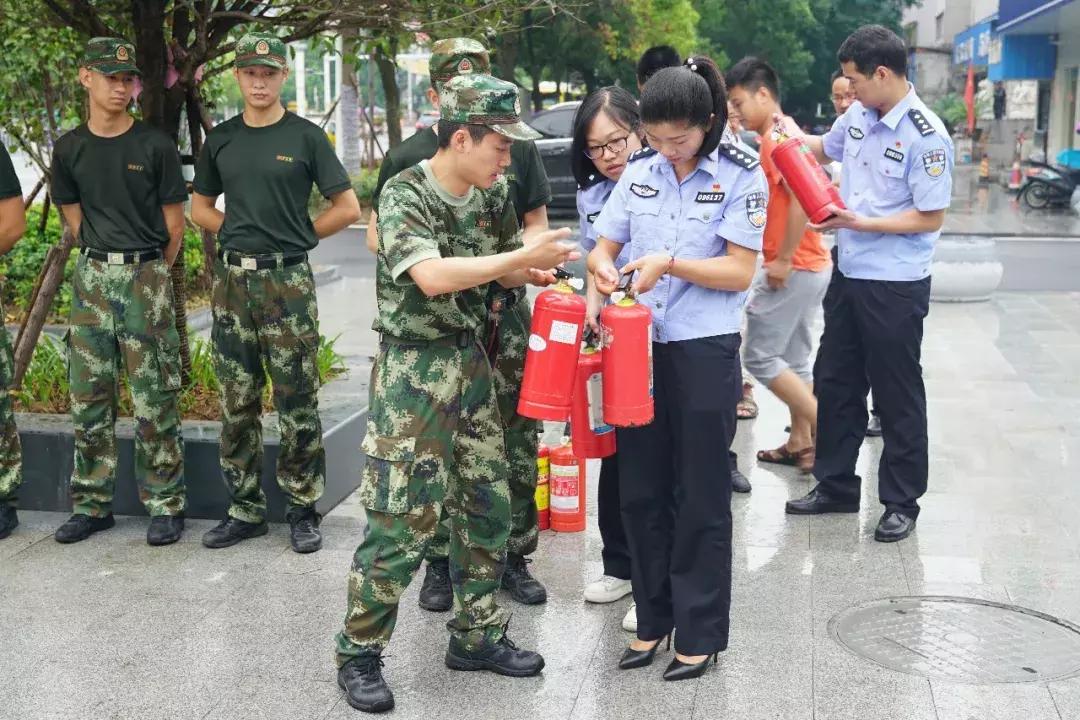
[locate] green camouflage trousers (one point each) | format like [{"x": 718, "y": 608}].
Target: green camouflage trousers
[
  {"x": 519, "y": 435},
  {"x": 268, "y": 318},
  {"x": 433, "y": 440},
  {"x": 10, "y": 450},
  {"x": 122, "y": 315}
]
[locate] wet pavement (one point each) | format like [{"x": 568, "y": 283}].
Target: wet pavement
[{"x": 111, "y": 628}]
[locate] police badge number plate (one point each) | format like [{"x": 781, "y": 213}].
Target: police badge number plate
[
  {"x": 934, "y": 163},
  {"x": 755, "y": 209}
]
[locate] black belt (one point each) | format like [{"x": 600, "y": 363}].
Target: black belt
[
  {"x": 122, "y": 258},
  {"x": 462, "y": 340},
  {"x": 260, "y": 262}
]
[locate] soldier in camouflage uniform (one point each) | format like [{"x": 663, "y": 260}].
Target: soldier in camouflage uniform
[
  {"x": 265, "y": 161},
  {"x": 434, "y": 436},
  {"x": 12, "y": 225},
  {"x": 119, "y": 185},
  {"x": 508, "y": 326}
]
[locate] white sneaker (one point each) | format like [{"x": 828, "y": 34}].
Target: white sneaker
[
  {"x": 629, "y": 621},
  {"x": 607, "y": 590}
]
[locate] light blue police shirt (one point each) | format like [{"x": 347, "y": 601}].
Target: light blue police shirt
[
  {"x": 901, "y": 161},
  {"x": 590, "y": 201},
  {"x": 722, "y": 201}
]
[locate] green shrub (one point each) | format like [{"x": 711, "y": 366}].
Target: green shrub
[{"x": 363, "y": 185}]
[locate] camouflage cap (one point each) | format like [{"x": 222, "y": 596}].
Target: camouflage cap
[
  {"x": 456, "y": 56},
  {"x": 477, "y": 99},
  {"x": 261, "y": 49},
  {"x": 110, "y": 56}
]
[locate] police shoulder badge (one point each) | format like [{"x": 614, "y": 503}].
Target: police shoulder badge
[
  {"x": 644, "y": 191},
  {"x": 262, "y": 48},
  {"x": 933, "y": 162},
  {"x": 591, "y": 217},
  {"x": 755, "y": 208},
  {"x": 855, "y": 133}
]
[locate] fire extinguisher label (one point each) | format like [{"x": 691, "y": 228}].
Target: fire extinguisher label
[
  {"x": 563, "y": 332},
  {"x": 564, "y": 488},
  {"x": 649, "y": 335},
  {"x": 537, "y": 343},
  {"x": 595, "y": 391}
]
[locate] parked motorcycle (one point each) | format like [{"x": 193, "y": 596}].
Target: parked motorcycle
[{"x": 1047, "y": 185}]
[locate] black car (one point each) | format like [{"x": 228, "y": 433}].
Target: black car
[{"x": 556, "y": 125}]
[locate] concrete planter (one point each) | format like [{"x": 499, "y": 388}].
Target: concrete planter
[
  {"x": 965, "y": 269},
  {"x": 48, "y": 457}
]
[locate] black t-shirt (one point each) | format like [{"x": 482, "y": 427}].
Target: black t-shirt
[
  {"x": 120, "y": 183},
  {"x": 529, "y": 188},
  {"x": 266, "y": 174},
  {"x": 9, "y": 181}
]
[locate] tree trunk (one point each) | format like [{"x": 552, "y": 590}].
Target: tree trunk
[
  {"x": 52, "y": 276},
  {"x": 348, "y": 87},
  {"x": 195, "y": 130},
  {"x": 387, "y": 64}
]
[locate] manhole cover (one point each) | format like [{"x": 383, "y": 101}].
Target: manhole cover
[{"x": 960, "y": 639}]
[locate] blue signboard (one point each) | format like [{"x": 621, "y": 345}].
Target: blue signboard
[
  {"x": 972, "y": 46},
  {"x": 1014, "y": 12}
]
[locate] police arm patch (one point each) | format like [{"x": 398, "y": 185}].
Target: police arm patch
[
  {"x": 933, "y": 162},
  {"x": 755, "y": 208}
]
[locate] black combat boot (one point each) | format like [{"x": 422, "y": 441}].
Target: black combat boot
[
  {"x": 164, "y": 529},
  {"x": 522, "y": 586},
  {"x": 231, "y": 531},
  {"x": 436, "y": 594},
  {"x": 79, "y": 527},
  {"x": 304, "y": 534},
  {"x": 9, "y": 519},
  {"x": 501, "y": 656},
  {"x": 365, "y": 689}
]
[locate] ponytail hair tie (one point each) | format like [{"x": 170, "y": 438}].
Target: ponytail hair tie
[{"x": 691, "y": 64}]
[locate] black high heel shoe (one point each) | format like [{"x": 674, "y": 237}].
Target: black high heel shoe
[
  {"x": 640, "y": 658},
  {"x": 678, "y": 670}
]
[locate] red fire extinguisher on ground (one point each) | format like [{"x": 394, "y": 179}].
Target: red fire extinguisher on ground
[
  {"x": 567, "y": 489},
  {"x": 806, "y": 178},
  {"x": 590, "y": 436},
  {"x": 543, "y": 488},
  {"x": 550, "y": 362},
  {"x": 627, "y": 361}
]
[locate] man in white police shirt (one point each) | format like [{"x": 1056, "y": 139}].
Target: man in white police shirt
[{"x": 897, "y": 182}]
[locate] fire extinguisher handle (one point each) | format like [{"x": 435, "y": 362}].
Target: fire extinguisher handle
[
  {"x": 562, "y": 274},
  {"x": 627, "y": 284}
]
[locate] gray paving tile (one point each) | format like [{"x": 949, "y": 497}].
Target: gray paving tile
[
  {"x": 847, "y": 687},
  {"x": 264, "y": 698},
  {"x": 1000, "y": 702},
  {"x": 1066, "y": 697},
  {"x": 759, "y": 679}
]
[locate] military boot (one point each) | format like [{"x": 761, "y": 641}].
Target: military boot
[
  {"x": 436, "y": 594},
  {"x": 304, "y": 534},
  {"x": 9, "y": 519},
  {"x": 231, "y": 531},
  {"x": 164, "y": 530},
  {"x": 522, "y": 586},
  {"x": 79, "y": 527},
  {"x": 500, "y": 656},
  {"x": 365, "y": 688}
]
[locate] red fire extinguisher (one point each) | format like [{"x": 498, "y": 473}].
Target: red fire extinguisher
[
  {"x": 806, "y": 178},
  {"x": 557, "y": 322},
  {"x": 567, "y": 489},
  {"x": 590, "y": 436},
  {"x": 627, "y": 362},
  {"x": 543, "y": 488}
]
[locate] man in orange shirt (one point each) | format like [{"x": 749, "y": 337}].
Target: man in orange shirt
[{"x": 788, "y": 290}]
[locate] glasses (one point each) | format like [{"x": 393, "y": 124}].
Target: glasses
[{"x": 616, "y": 146}]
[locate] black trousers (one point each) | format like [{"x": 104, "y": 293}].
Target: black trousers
[
  {"x": 616, "y": 552},
  {"x": 873, "y": 338},
  {"x": 675, "y": 487}
]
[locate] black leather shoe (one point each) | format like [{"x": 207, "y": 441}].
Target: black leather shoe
[
  {"x": 816, "y": 502},
  {"x": 632, "y": 658},
  {"x": 893, "y": 526},
  {"x": 522, "y": 586},
  {"x": 79, "y": 527},
  {"x": 502, "y": 657},
  {"x": 873, "y": 428},
  {"x": 9, "y": 519},
  {"x": 678, "y": 670},
  {"x": 304, "y": 534},
  {"x": 436, "y": 594},
  {"x": 365, "y": 689},
  {"x": 230, "y": 531},
  {"x": 739, "y": 482},
  {"x": 164, "y": 529}
]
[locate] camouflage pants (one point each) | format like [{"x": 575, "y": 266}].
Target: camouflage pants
[
  {"x": 122, "y": 315},
  {"x": 433, "y": 441},
  {"x": 268, "y": 317},
  {"x": 10, "y": 450},
  {"x": 519, "y": 435}
]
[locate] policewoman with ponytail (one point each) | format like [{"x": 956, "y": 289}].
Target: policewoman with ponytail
[{"x": 690, "y": 210}]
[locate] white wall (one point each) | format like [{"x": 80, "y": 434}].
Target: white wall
[{"x": 956, "y": 18}]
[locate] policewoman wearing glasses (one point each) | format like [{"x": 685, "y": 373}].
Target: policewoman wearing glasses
[
  {"x": 690, "y": 211},
  {"x": 606, "y": 132}
]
